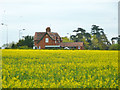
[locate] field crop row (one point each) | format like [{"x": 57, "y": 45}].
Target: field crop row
[{"x": 59, "y": 69}]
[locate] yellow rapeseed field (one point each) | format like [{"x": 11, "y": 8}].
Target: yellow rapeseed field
[{"x": 59, "y": 69}]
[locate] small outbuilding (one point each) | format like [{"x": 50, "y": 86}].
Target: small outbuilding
[{"x": 72, "y": 45}]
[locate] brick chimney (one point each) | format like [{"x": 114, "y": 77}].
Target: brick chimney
[{"x": 48, "y": 29}]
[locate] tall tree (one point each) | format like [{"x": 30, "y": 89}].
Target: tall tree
[
  {"x": 95, "y": 43},
  {"x": 82, "y": 36},
  {"x": 104, "y": 38},
  {"x": 65, "y": 39},
  {"x": 95, "y": 30},
  {"x": 116, "y": 38},
  {"x": 97, "y": 39},
  {"x": 101, "y": 36},
  {"x": 27, "y": 41}
]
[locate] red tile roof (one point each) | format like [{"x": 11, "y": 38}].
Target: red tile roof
[
  {"x": 39, "y": 35},
  {"x": 71, "y": 44}
]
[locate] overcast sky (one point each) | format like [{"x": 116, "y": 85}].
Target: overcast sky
[{"x": 63, "y": 16}]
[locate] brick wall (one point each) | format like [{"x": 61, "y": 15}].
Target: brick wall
[{"x": 42, "y": 43}]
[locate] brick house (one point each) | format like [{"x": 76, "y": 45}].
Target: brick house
[{"x": 48, "y": 39}]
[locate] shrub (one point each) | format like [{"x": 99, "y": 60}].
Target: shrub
[
  {"x": 23, "y": 47},
  {"x": 114, "y": 47}
]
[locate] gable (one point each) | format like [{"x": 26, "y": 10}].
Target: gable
[
  {"x": 44, "y": 36},
  {"x": 40, "y": 35}
]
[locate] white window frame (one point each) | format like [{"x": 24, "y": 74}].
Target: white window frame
[
  {"x": 39, "y": 47},
  {"x": 46, "y": 40},
  {"x": 79, "y": 47}
]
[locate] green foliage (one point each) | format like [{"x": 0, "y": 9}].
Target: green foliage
[
  {"x": 95, "y": 40},
  {"x": 114, "y": 47},
  {"x": 86, "y": 44},
  {"x": 100, "y": 35},
  {"x": 27, "y": 41},
  {"x": 14, "y": 46},
  {"x": 23, "y": 47},
  {"x": 65, "y": 39},
  {"x": 95, "y": 43},
  {"x": 7, "y": 48},
  {"x": 116, "y": 38},
  {"x": 80, "y": 34}
]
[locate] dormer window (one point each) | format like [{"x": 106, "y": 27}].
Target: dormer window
[{"x": 46, "y": 40}]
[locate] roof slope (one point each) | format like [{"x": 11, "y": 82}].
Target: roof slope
[
  {"x": 40, "y": 35},
  {"x": 71, "y": 44}
]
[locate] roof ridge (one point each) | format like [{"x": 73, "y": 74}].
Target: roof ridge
[
  {"x": 72, "y": 42},
  {"x": 40, "y": 32}
]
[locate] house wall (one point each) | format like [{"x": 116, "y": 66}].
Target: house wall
[
  {"x": 81, "y": 47},
  {"x": 42, "y": 43}
]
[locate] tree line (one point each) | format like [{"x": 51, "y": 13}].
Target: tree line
[
  {"x": 25, "y": 43},
  {"x": 95, "y": 40}
]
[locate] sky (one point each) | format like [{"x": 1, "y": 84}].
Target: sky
[{"x": 63, "y": 16}]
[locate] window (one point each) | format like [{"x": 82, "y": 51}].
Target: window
[
  {"x": 55, "y": 41},
  {"x": 39, "y": 47},
  {"x": 46, "y": 40}
]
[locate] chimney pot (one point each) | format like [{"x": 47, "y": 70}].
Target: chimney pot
[{"x": 48, "y": 29}]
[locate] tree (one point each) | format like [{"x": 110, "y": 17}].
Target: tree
[
  {"x": 81, "y": 30},
  {"x": 80, "y": 34},
  {"x": 95, "y": 43},
  {"x": 4, "y": 45},
  {"x": 95, "y": 30},
  {"x": 23, "y": 47},
  {"x": 27, "y": 41},
  {"x": 9, "y": 45},
  {"x": 20, "y": 43},
  {"x": 65, "y": 39},
  {"x": 97, "y": 39},
  {"x": 104, "y": 38},
  {"x": 88, "y": 36},
  {"x": 86, "y": 44},
  {"x": 73, "y": 37},
  {"x": 101, "y": 36},
  {"x": 116, "y": 38},
  {"x": 14, "y": 46},
  {"x": 114, "y": 47}
]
